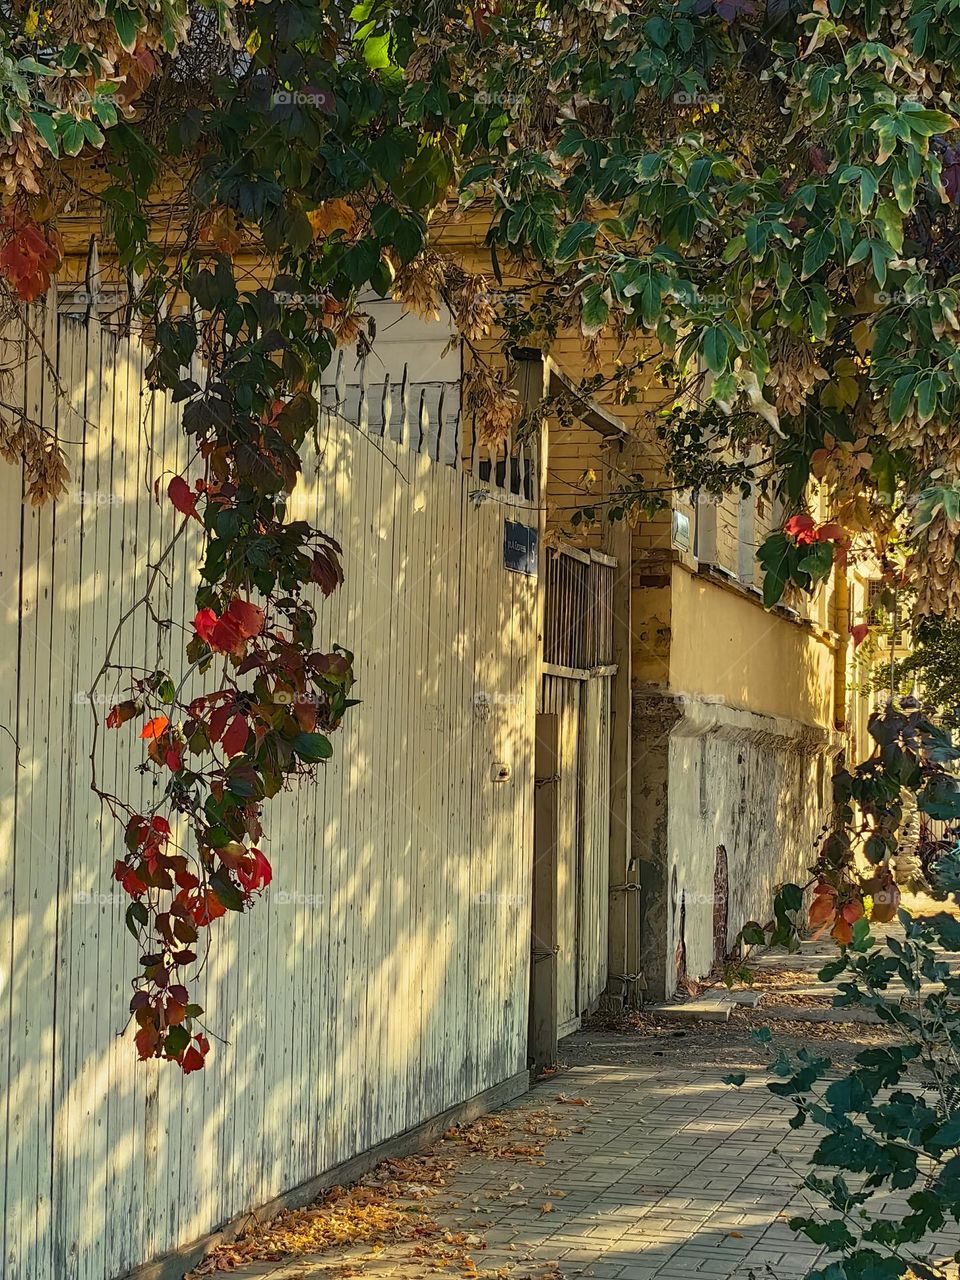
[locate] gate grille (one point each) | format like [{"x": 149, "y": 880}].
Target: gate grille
[{"x": 578, "y": 603}]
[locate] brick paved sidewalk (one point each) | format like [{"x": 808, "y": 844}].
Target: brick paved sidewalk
[
  {"x": 666, "y": 1173},
  {"x": 673, "y": 1174}
]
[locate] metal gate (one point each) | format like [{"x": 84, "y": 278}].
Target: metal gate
[{"x": 577, "y": 686}]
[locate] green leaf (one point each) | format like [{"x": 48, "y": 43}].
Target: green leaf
[
  {"x": 940, "y": 798},
  {"x": 716, "y": 347},
  {"x": 177, "y": 1040},
  {"x": 312, "y": 747},
  {"x": 832, "y": 1233},
  {"x": 424, "y": 182},
  {"x": 47, "y": 129},
  {"x": 900, "y": 397},
  {"x": 72, "y": 137},
  {"x": 136, "y": 917},
  {"x": 753, "y": 934},
  {"x": 736, "y": 1078},
  {"x": 658, "y": 32},
  {"x": 774, "y": 557},
  {"x": 127, "y": 24},
  {"x": 818, "y": 248},
  {"x": 818, "y": 561},
  {"x": 572, "y": 239},
  {"x": 595, "y": 311},
  {"x": 226, "y": 890},
  {"x": 889, "y": 219},
  {"x": 698, "y": 175},
  {"x": 790, "y": 898},
  {"x": 926, "y": 123}
]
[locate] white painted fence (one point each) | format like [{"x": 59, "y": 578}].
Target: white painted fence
[{"x": 384, "y": 977}]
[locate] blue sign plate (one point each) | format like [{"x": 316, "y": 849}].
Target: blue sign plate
[{"x": 520, "y": 548}]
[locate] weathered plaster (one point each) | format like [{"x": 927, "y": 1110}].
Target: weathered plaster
[{"x": 705, "y": 775}]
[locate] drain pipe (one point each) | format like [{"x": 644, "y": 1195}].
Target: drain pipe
[{"x": 841, "y": 623}]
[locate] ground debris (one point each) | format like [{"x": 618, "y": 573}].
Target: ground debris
[
  {"x": 502, "y": 1137},
  {"x": 384, "y": 1207},
  {"x": 361, "y": 1215}
]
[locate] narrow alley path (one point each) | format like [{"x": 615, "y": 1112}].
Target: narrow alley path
[{"x": 635, "y": 1162}]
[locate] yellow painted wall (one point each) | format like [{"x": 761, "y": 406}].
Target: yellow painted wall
[{"x": 724, "y": 644}]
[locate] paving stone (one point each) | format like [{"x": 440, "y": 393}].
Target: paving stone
[{"x": 674, "y": 1176}]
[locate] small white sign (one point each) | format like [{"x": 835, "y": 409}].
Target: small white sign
[{"x": 680, "y": 532}]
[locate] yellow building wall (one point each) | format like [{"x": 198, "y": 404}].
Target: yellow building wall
[{"x": 694, "y": 635}]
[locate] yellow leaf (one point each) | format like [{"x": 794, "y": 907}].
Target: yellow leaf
[
  {"x": 330, "y": 216},
  {"x": 862, "y": 336}
]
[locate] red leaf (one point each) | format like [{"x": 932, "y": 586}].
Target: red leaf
[
  {"x": 235, "y": 738},
  {"x": 174, "y": 759},
  {"x": 305, "y": 714},
  {"x": 248, "y": 618},
  {"x": 842, "y": 932},
  {"x": 155, "y": 728},
  {"x": 218, "y": 722},
  {"x": 128, "y": 879},
  {"x": 204, "y": 623},
  {"x": 800, "y": 527},
  {"x": 852, "y": 911},
  {"x": 886, "y": 900},
  {"x": 147, "y": 1040},
  {"x": 182, "y": 496},
  {"x": 184, "y": 876},
  {"x": 326, "y": 572},
  {"x": 203, "y": 905},
  {"x": 256, "y": 873},
  {"x": 27, "y": 259},
  {"x": 121, "y": 713},
  {"x": 195, "y": 1055},
  {"x": 225, "y": 636},
  {"x": 859, "y": 633},
  {"x": 822, "y": 909},
  {"x": 831, "y": 532},
  {"x": 192, "y": 1060}
]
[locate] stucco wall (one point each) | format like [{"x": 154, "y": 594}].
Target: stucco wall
[
  {"x": 711, "y": 776},
  {"x": 723, "y": 643}
]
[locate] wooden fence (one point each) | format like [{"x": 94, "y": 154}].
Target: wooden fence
[{"x": 384, "y": 976}]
